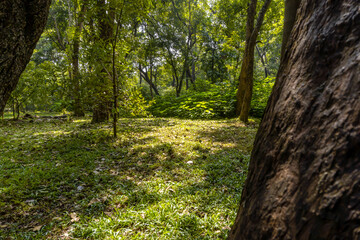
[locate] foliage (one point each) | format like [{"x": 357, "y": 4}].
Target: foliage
[
  {"x": 162, "y": 178},
  {"x": 262, "y": 90},
  {"x": 133, "y": 103},
  {"x": 184, "y": 48},
  {"x": 218, "y": 102}
]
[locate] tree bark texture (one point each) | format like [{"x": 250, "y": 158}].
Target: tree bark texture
[
  {"x": 304, "y": 173},
  {"x": 21, "y": 25},
  {"x": 244, "y": 92}
]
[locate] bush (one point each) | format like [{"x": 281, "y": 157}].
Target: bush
[
  {"x": 132, "y": 103},
  {"x": 218, "y": 102}
]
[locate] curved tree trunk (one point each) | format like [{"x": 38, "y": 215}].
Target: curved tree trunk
[
  {"x": 21, "y": 24},
  {"x": 304, "y": 175}
]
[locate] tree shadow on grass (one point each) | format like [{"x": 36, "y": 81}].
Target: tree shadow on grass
[
  {"x": 73, "y": 174},
  {"x": 53, "y": 180}
]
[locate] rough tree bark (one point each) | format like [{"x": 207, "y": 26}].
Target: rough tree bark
[
  {"x": 21, "y": 24},
  {"x": 244, "y": 92},
  {"x": 304, "y": 174}
]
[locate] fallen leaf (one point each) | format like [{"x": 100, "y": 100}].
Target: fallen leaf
[
  {"x": 3, "y": 226},
  {"x": 92, "y": 201},
  {"x": 74, "y": 217},
  {"x": 37, "y": 228},
  {"x": 226, "y": 228}
]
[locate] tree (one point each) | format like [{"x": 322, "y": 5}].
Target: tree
[
  {"x": 244, "y": 92},
  {"x": 102, "y": 106},
  {"x": 304, "y": 179},
  {"x": 21, "y": 24},
  {"x": 78, "y": 109}
]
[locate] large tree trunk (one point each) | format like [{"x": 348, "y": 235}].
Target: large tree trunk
[
  {"x": 21, "y": 24},
  {"x": 304, "y": 174},
  {"x": 244, "y": 92}
]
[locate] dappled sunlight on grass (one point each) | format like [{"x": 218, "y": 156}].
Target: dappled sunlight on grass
[
  {"x": 51, "y": 133},
  {"x": 160, "y": 179}
]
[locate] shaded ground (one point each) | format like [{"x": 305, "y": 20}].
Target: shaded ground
[{"x": 161, "y": 179}]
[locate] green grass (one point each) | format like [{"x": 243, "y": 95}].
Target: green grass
[{"x": 161, "y": 179}]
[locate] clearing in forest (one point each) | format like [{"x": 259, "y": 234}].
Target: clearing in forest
[{"x": 160, "y": 179}]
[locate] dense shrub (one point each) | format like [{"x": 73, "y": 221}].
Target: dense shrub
[{"x": 219, "y": 102}]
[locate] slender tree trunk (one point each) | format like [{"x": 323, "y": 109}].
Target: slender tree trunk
[
  {"x": 21, "y": 24},
  {"x": 17, "y": 107},
  {"x": 304, "y": 173},
  {"x": 13, "y": 110},
  {"x": 244, "y": 93},
  {"x": 140, "y": 77},
  {"x": 144, "y": 75},
  {"x": 193, "y": 75},
  {"x": 114, "y": 80},
  {"x": 263, "y": 60}
]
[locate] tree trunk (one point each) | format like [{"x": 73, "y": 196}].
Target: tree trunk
[
  {"x": 291, "y": 6},
  {"x": 244, "y": 92},
  {"x": 193, "y": 75},
  {"x": 145, "y": 75},
  {"x": 304, "y": 174},
  {"x": 21, "y": 24},
  {"x": 78, "y": 109},
  {"x": 101, "y": 110}
]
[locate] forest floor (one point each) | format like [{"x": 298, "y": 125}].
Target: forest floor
[{"x": 160, "y": 179}]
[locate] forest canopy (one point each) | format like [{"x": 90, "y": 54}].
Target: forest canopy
[{"x": 178, "y": 58}]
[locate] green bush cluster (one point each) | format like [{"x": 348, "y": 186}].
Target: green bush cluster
[
  {"x": 132, "y": 103},
  {"x": 218, "y": 102}
]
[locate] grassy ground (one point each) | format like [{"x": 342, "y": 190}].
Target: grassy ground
[{"x": 161, "y": 179}]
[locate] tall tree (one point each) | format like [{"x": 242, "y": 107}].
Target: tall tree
[
  {"x": 304, "y": 179},
  {"x": 78, "y": 109},
  {"x": 106, "y": 15},
  {"x": 21, "y": 24},
  {"x": 244, "y": 92}
]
